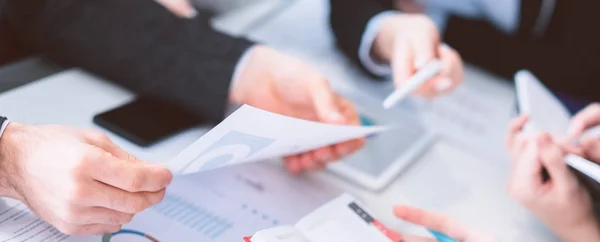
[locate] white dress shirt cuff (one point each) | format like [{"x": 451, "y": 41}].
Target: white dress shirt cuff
[
  {"x": 3, "y": 128},
  {"x": 369, "y": 61}
]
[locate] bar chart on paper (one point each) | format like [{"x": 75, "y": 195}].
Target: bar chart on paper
[
  {"x": 192, "y": 216},
  {"x": 221, "y": 206},
  {"x": 177, "y": 218},
  {"x": 207, "y": 210},
  {"x": 205, "y": 221}
]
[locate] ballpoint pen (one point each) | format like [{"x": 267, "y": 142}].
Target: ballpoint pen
[
  {"x": 440, "y": 237},
  {"x": 396, "y": 237},
  {"x": 424, "y": 74}
]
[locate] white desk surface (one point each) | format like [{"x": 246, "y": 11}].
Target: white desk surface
[{"x": 447, "y": 179}]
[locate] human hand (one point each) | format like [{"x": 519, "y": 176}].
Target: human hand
[
  {"x": 282, "y": 84},
  {"x": 77, "y": 180},
  {"x": 182, "y": 8},
  {"x": 588, "y": 118},
  {"x": 584, "y": 120},
  {"x": 515, "y": 140},
  {"x": 438, "y": 223},
  {"x": 408, "y": 42},
  {"x": 561, "y": 202}
]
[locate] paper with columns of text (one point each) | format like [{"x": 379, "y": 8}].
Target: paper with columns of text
[{"x": 251, "y": 134}]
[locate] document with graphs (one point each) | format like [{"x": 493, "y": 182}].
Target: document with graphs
[
  {"x": 251, "y": 134},
  {"x": 223, "y": 205}
]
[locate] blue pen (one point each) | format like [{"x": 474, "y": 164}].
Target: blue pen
[{"x": 441, "y": 237}]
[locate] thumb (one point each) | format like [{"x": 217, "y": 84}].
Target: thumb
[
  {"x": 103, "y": 142},
  {"x": 325, "y": 103},
  {"x": 424, "y": 52},
  {"x": 591, "y": 148},
  {"x": 403, "y": 62},
  {"x": 587, "y": 118},
  {"x": 552, "y": 158}
]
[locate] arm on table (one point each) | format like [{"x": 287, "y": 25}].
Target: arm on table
[{"x": 137, "y": 44}]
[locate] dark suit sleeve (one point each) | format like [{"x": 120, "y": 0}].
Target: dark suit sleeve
[
  {"x": 137, "y": 44},
  {"x": 349, "y": 19}
]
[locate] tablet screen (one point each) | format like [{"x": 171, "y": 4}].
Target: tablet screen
[{"x": 383, "y": 150}]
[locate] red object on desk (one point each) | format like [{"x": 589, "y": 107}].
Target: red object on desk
[{"x": 247, "y": 239}]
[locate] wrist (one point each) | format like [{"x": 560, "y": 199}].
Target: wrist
[
  {"x": 248, "y": 70},
  {"x": 383, "y": 45},
  {"x": 8, "y": 151}
]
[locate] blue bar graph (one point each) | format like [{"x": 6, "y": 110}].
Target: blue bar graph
[
  {"x": 194, "y": 217},
  {"x": 205, "y": 221}
]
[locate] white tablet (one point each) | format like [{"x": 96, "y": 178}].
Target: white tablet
[
  {"x": 548, "y": 114},
  {"x": 385, "y": 155}
]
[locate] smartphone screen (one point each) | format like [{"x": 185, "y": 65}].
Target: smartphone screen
[{"x": 146, "y": 120}]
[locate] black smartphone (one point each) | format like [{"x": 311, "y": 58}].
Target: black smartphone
[{"x": 147, "y": 120}]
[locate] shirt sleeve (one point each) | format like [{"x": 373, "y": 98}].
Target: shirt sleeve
[
  {"x": 3, "y": 124},
  {"x": 365, "y": 56},
  {"x": 503, "y": 14},
  {"x": 137, "y": 44},
  {"x": 370, "y": 62}
]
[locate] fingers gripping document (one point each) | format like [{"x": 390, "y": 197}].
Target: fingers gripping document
[
  {"x": 217, "y": 205},
  {"x": 251, "y": 134}
]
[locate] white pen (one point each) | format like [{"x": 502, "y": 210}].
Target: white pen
[
  {"x": 424, "y": 74},
  {"x": 584, "y": 166}
]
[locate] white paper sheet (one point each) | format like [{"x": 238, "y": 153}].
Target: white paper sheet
[
  {"x": 280, "y": 234},
  {"x": 336, "y": 221},
  {"x": 251, "y": 134},
  {"x": 218, "y": 206}
]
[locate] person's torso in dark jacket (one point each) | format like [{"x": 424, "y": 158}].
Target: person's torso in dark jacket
[{"x": 10, "y": 48}]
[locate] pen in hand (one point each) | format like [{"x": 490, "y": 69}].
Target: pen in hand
[{"x": 424, "y": 74}]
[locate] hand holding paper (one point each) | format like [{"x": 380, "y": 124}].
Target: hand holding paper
[
  {"x": 252, "y": 134},
  {"x": 281, "y": 84}
]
